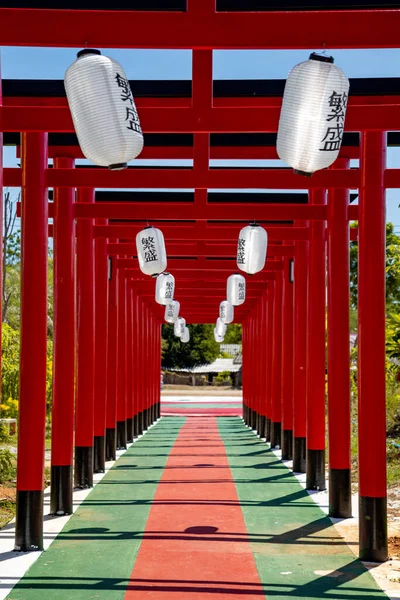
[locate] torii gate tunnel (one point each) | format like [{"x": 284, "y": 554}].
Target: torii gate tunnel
[{"x": 110, "y": 331}]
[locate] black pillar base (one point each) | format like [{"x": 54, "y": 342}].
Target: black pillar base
[
  {"x": 135, "y": 426},
  {"x": 373, "y": 529},
  {"x": 268, "y": 430},
  {"x": 261, "y": 425},
  {"x": 140, "y": 423},
  {"x": 254, "y": 416},
  {"x": 99, "y": 454},
  {"x": 111, "y": 444},
  {"x": 244, "y": 409},
  {"x": 276, "y": 428},
  {"x": 287, "y": 444},
  {"x": 145, "y": 419},
  {"x": 315, "y": 470},
  {"x": 340, "y": 493},
  {"x": 61, "y": 490},
  {"x": 129, "y": 430},
  {"x": 29, "y": 521},
  {"x": 83, "y": 472},
  {"x": 249, "y": 417},
  {"x": 299, "y": 455},
  {"x": 121, "y": 435}
]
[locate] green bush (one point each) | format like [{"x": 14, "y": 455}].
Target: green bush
[
  {"x": 7, "y": 469},
  {"x": 4, "y": 437},
  {"x": 223, "y": 377}
]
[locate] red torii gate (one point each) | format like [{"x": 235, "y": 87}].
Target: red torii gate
[{"x": 121, "y": 323}]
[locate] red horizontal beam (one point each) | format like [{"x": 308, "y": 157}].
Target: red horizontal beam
[
  {"x": 223, "y": 232},
  {"x": 193, "y": 211},
  {"x": 198, "y": 249},
  {"x": 286, "y": 30},
  {"x": 191, "y": 178},
  {"x": 179, "y": 264},
  {"x": 382, "y": 117}
]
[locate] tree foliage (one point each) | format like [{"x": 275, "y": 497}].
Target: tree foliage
[
  {"x": 201, "y": 348},
  {"x": 233, "y": 334},
  {"x": 392, "y": 269}
]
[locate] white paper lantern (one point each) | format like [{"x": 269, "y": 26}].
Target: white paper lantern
[
  {"x": 165, "y": 288},
  {"x": 312, "y": 117},
  {"x": 218, "y": 338},
  {"x": 179, "y": 326},
  {"x": 226, "y": 312},
  {"x": 236, "y": 289},
  {"x": 220, "y": 327},
  {"x": 103, "y": 110},
  {"x": 172, "y": 311},
  {"x": 252, "y": 249},
  {"x": 185, "y": 337},
  {"x": 151, "y": 251}
]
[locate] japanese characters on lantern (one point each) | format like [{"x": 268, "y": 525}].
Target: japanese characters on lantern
[
  {"x": 236, "y": 289},
  {"x": 252, "y": 249},
  {"x": 179, "y": 326},
  {"x": 172, "y": 311},
  {"x": 185, "y": 337},
  {"x": 165, "y": 287},
  {"x": 103, "y": 110},
  {"x": 151, "y": 251},
  {"x": 312, "y": 116},
  {"x": 226, "y": 312}
]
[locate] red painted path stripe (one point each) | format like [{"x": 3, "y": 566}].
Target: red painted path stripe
[{"x": 195, "y": 544}]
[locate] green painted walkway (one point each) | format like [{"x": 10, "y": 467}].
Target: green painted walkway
[{"x": 297, "y": 551}]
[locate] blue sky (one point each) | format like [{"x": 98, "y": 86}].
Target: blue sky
[{"x": 51, "y": 63}]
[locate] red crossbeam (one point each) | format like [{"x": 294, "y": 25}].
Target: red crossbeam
[{"x": 264, "y": 30}]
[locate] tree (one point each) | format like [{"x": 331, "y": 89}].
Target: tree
[
  {"x": 392, "y": 269},
  {"x": 11, "y": 253},
  {"x": 201, "y": 348},
  {"x": 233, "y": 334}
]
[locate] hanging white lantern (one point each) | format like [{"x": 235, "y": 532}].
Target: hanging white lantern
[
  {"x": 236, "y": 289},
  {"x": 220, "y": 327},
  {"x": 165, "y": 287},
  {"x": 103, "y": 110},
  {"x": 218, "y": 338},
  {"x": 312, "y": 116},
  {"x": 179, "y": 326},
  {"x": 151, "y": 251},
  {"x": 185, "y": 337},
  {"x": 226, "y": 312},
  {"x": 172, "y": 311},
  {"x": 252, "y": 249}
]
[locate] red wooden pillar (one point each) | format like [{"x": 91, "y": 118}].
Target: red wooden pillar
[
  {"x": 135, "y": 366},
  {"x": 121, "y": 361},
  {"x": 263, "y": 366},
  {"x": 244, "y": 371},
  {"x": 300, "y": 354},
  {"x": 371, "y": 350},
  {"x": 276, "y": 391},
  {"x": 128, "y": 372},
  {"x": 100, "y": 338},
  {"x": 287, "y": 361},
  {"x": 140, "y": 365},
  {"x": 33, "y": 357},
  {"x": 269, "y": 351},
  {"x": 84, "y": 410},
  {"x": 339, "y": 410},
  {"x": 62, "y": 428},
  {"x": 315, "y": 469},
  {"x": 112, "y": 338}
]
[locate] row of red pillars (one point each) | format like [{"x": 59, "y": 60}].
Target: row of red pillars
[
  {"x": 107, "y": 351},
  {"x": 287, "y": 361}
]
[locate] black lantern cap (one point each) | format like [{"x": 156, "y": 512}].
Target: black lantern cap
[
  {"x": 118, "y": 166},
  {"x": 321, "y": 57},
  {"x": 87, "y": 51},
  {"x": 304, "y": 173}
]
